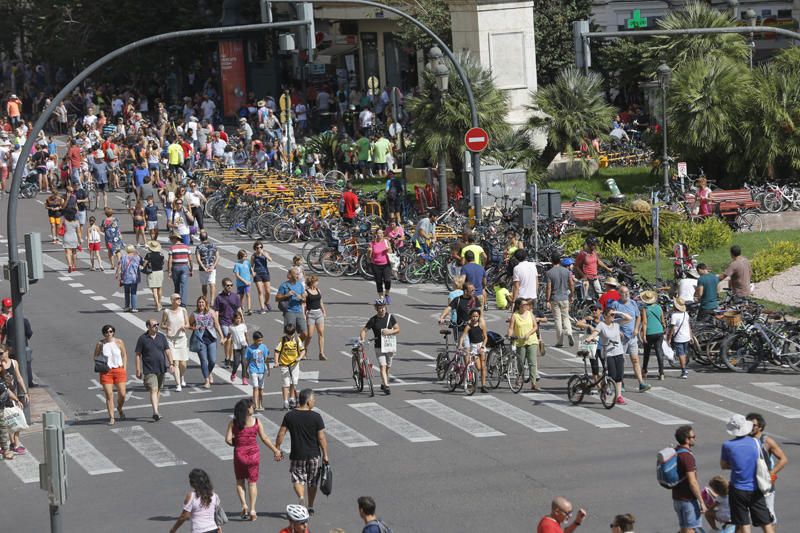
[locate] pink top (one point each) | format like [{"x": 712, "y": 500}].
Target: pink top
[
  {"x": 380, "y": 252},
  {"x": 703, "y": 197}
]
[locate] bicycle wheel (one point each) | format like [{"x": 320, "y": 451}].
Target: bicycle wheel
[
  {"x": 357, "y": 374},
  {"x": 772, "y": 203},
  {"x": 750, "y": 221},
  {"x": 283, "y": 233},
  {"x": 791, "y": 351},
  {"x": 452, "y": 379},
  {"x": 442, "y": 361},
  {"x": 470, "y": 381},
  {"x": 314, "y": 255},
  {"x": 575, "y": 389},
  {"x": 514, "y": 377},
  {"x": 332, "y": 264},
  {"x": 416, "y": 273},
  {"x": 608, "y": 392},
  {"x": 740, "y": 352},
  {"x": 368, "y": 374},
  {"x": 494, "y": 367}
]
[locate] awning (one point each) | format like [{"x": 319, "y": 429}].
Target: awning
[{"x": 338, "y": 49}]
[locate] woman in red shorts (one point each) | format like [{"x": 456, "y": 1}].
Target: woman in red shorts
[
  {"x": 117, "y": 356},
  {"x": 243, "y": 434}
]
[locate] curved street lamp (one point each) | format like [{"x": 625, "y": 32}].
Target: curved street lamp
[{"x": 441, "y": 73}]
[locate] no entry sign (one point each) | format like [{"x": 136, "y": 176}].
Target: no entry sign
[{"x": 476, "y": 139}]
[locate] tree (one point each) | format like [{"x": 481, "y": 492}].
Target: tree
[
  {"x": 441, "y": 122},
  {"x": 680, "y": 49},
  {"x": 623, "y": 64},
  {"x": 433, "y": 13},
  {"x": 552, "y": 22},
  {"x": 573, "y": 109},
  {"x": 514, "y": 149}
]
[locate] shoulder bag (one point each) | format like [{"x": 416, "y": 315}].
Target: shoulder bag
[
  {"x": 220, "y": 517},
  {"x": 101, "y": 363},
  {"x": 763, "y": 477}
]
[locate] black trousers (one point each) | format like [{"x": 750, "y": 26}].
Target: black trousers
[
  {"x": 653, "y": 342},
  {"x": 383, "y": 277},
  {"x": 198, "y": 214}
]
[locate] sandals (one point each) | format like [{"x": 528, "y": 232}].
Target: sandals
[
  {"x": 245, "y": 514},
  {"x": 323, "y": 357},
  {"x": 8, "y": 455},
  {"x": 110, "y": 422},
  {"x": 253, "y": 516}
]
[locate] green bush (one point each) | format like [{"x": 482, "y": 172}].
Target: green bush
[
  {"x": 572, "y": 242},
  {"x": 710, "y": 233},
  {"x": 631, "y": 223},
  {"x": 779, "y": 256}
]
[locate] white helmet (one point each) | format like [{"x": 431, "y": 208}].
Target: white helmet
[{"x": 297, "y": 513}]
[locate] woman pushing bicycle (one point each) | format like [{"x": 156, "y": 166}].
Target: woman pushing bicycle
[{"x": 475, "y": 331}]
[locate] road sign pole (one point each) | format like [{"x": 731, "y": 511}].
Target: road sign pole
[{"x": 476, "y": 140}]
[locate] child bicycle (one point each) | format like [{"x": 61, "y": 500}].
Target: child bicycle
[
  {"x": 362, "y": 367},
  {"x": 463, "y": 372},
  {"x": 579, "y": 385}
]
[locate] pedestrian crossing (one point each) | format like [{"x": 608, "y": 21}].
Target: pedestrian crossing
[{"x": 419, "y": 422}]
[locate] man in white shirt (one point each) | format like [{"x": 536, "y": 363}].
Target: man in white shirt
[
  {"x": 192, "y": 125},
  {"x": 525, "y": 278},
  {"x": 687, "y": 286},
  {"x": 116, "y": 106},
  {"x": 217, "y": 145},
  {"x": 89, "y": 119},
  {"x": 323, "y": 101},
  {"x": 246, "y": 130},
  {"x": 207, "y": 107},
  {"x": 366, "y": 119}
]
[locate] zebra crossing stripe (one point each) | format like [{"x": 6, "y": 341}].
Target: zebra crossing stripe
[
  {"x": 148, "y": 447},
  {"x": 206, "y": 436},
  {"x": 692, "y": 404},
  {"x": 271, "y": 428},
  {"x": 762, "y": 403},
  {"x": 25, "y": 467},
  {"x": 394, "y": 422},
  {"x": 87, "y": 456},
  {"x": 581, "y": 413},
  {"x": 792, "y": 392},
  {"x": 649, "y": 413},
  {"x": 455, "y": 418},
  {"x": 344, "y": 433},
  {"x": 530, "y": 421}
]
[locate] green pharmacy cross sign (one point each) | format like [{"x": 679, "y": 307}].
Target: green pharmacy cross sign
[{"x": 637, "y": 21}]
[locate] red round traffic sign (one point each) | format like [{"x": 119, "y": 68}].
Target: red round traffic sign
[{"x": 476, "y": 139}]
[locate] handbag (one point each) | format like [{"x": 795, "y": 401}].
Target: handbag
[
  {"x": 14, "y": 419},
  {"x": 195, "y": 343},
  {"x": 220, "y": 518},
  {"x": 667, "y": 350},
  {"x": 62, "y": 230},
  {"x": 763, "y": 476},
  {"x": 326, "y": 479},
  {"x": 101, "y": 364}
]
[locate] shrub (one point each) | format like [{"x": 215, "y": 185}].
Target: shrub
[
  {"x": 572, "y": 242},
  {"x": 710, "y": 233},
  {"x": 631, "y": 224},
  {"x": 776, "y": 258}
]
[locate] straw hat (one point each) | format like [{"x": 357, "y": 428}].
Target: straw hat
[
  {"x": 679, "y": 304},
  {"x": 649, "y": 297},
  {"x": 154, "y": 246},
  {"x": 261, "y": 103},
  {"x": 611, "y": 281},
  {"x": 131, "y": 249}
]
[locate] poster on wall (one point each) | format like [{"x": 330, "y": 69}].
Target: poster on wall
[{"x": 232, "y": 74}]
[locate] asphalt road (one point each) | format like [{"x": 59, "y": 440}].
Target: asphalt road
[{"x": 432, "y": 459}]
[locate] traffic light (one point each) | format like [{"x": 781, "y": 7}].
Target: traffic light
[{"x": 33, "y": 256}]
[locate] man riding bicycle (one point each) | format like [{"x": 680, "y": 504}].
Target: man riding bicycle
[
  {"x": 384, "y": 327},
  {"x": 462, "y": 305}
]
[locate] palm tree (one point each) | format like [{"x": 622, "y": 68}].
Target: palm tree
[
  {"x": 573, "y": 110},
  {"x": 440, "y": 122},
  {"x": 514, "y": 149},
  {"x": 679, "y": 49}
]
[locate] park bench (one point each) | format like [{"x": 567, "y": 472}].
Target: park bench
[
  {"x": 728, "y": 202},
  {"x": 581, "y": 211}
]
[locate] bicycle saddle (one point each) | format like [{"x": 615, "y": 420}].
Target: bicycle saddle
[{"x": 445, "y": 332}]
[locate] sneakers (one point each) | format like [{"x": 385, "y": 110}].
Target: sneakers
[
  {"x": 286, "y": 406},
  {"x": 621, "y": 400},
  {"x": 684, "y": 374},
  {"x": 134, "y": 310},
  {"x": 245, "y": 382},
  {"x": 178, "y": 388},
  {"x": 661, "y": 377},
  {"x": 19, "y": 450},
  {"x": 644, "y": 387},
  {"x": 233, "y": 377},
  {"x": 388, "y": 299},
  {"x": 183, "y": 382},
  {"x": 483, "y": 390}
]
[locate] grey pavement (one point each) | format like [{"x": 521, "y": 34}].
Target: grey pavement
[{"x": 434, "y": 460}]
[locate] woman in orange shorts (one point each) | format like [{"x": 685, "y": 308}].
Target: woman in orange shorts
[{"x": 117, "y": 357}]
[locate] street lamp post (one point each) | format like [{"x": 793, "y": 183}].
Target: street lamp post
[
  {"x": 664, "y": 74},
  {"x": 750, "y": 15},
  {"x": 441, "y": 73}
]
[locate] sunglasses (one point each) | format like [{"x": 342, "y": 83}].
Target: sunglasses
[
  {"x": 229, "y": 285},
  {"x": 153, "y": 326},
  {"x": 259, "y": 247},
  {"x": 106, "y": 332}
]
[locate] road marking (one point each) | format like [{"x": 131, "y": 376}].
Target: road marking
[
  {"x": 401, "y": 426},
  {"x": 312, "y": 375},
  {"x": 406, "y": 318},
  {"x": 25, "y": 467},
  {"x": 692, "y": 404},
  {"x": 76, "y": 285},
  {"x": 341, "y": 292},
  {"x": 531, "y": 421},
  {"x": 423, "y": 354},
  {"x": 206, "y": 436},
  {"x": 87, "y": 291},
  {"x": 463, "y": 422},
  {"x": 57, "y": 266},
  {"x": 64, "y": 278},
  {"x": 148, "y": 447},
  {"x": 654, "y": 415},
  {"x": 562, "y": 405},
  {"x": 271, "y": 428},
  {"x": 762, "y": 403},
  {"x": 344, "y": 433},
  {"x": 98, "y": 298},
  {"x": 87, "y": 456},
  {"x": 792, "y": 392}
]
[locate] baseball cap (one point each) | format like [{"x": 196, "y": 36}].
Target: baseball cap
[{"x": 7, "y": 302}]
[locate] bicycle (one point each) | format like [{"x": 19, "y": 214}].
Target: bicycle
[
  {"x": 462, "y": 372},
  {"x": 579, "y": 385},
  {"x": 755, "y": 344},
  {"x": 444, "y": 357},
  {"x": 362, "y": 366}
]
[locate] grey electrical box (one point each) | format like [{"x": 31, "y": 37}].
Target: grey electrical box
[
  {"x": 33, "y": 256},
  {"x": 286, "y": 42},
  {"x": 497, "y": 182},
  {"x": 53, "y": 470},
  {"x": 549, "y": 201}
]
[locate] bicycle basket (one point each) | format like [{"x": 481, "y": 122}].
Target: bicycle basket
[
  {"x": 493, "y": 339},
  {"x": 587, "y": 349}
]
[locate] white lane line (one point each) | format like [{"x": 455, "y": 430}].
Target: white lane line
[
  {"x": 64, "y": 278},
  {"x": 344, "y": 433},
  {"x": 87, "y": 456},
  {"x": 583, "y": 414},
  {"x": 792, "y": 392},
  {"x": 505, "y": 409},
  {"x": 692, "y": 404},
  {"x": 463, "y": 422},
  {"x": 87, "y": 291},
  {"x": 76, "y": 285},
  {"x": 206, "y": 436},
  {"x": 98, "y": 298},
  {"x": 148, "y": 447},
  {"x": 406, "y": 318},
  {"x": 271, "y": 429},
  {"x": 649, "y": 413},
  {"x": 341, "y": 292},
  {"x": 398, "y": 424},
  {"x": 25, "y": 467},
  {"x": 57, "y": 266},
  {"x": 423, "y": 354},
  {"x": 749, "y": 399}
]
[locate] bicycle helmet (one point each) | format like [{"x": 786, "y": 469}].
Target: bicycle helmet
[
  {"x": 379, "y": 302},
  {"x": 567, "y": 261},
  {"x": 297, "y": 513},
  {"x": 591, "y": 240}
]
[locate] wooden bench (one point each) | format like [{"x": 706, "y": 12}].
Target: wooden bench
[
  {"x": 728, "y": 202},
  {"x": 581, "y": 211}
]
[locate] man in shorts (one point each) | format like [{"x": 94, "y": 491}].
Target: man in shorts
[
  {"x": 290, "y": 297},
  {"x": 631, "y": 332},
  {"x": 309, "y": 446},
  {"x": 382, "y": 324},
  {"x": 153, "y": 360},
  {"x": 207, "y": 259},
  {"x": 686, "y": 497},
  {"x": 227, "y": 304}
]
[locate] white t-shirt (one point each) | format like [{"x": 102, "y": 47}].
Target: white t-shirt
[
  {"x": 238, "y": 336},
  {"x": 610, "y": 338},
  {"x": 365, "y": 118},
  {"x": 323, "y": 101},
  {"x": 202, "y": 517},
  {"x": 528, "y": 277},
  {"x": 300, "y": 111},
  {"x": 680, "y": 321},
  {"x": 686, "y": 288},
  {"x": 208, "y": 107}
]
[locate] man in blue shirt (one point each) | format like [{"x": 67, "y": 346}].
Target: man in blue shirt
[
  {"x": 291, "y": 295},
  {"x": 740, "y": 456},
  {"x": 366, "y": 510},
  {"x": 631, "y": 331},
  {"x": 476, "y": 275},
  {"x": 706, "y": 292},
  {"x": 139, "y": 174}
]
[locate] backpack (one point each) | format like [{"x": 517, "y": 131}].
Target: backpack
[
  {"x": 667, "y": 467},
  {"x": 382, "y": 527}
]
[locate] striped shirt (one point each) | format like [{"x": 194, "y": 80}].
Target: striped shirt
[{"x": 179, "y": 254}]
